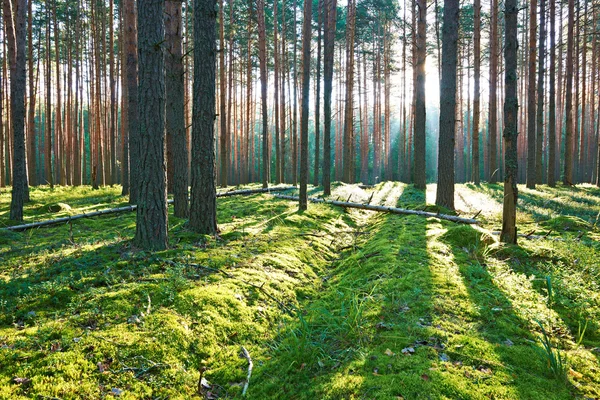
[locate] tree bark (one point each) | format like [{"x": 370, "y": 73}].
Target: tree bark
[
  {"x": 223, "y": 144},
  {"x": 132, "y": 99},
  {"x": 262, "y": 46},
  {"x": 539, "y": 178},
  {"x": 329, "y": 40},
  {"x": 318, "y": 95},
  {"x": 569, "y": 142},
  {"x": 306, "y": 40},
  {"x": 531, "y": 93},
  {"x": 203, "y": 207},
  {"x": 552, "y": 132},
  {"x": 445, "y": 186},
  {"x": 15, "y": 26},
  {"x": 151, "y": 223},
  {"x": 493, "y": 105},
  {"x": 420, "y": 117},
  {"x": 511, "y": 107},
  {"x": 348, "y": 160},
  {"x": 476, "y": 90},
  {"x": 175, "y": 118}
]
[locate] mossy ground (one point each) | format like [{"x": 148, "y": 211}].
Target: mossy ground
[{"x": 351, "y": 304}]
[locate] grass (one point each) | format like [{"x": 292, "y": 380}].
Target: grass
[{"x": 383, "y": 306}]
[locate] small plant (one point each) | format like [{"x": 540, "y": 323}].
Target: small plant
[
  {"x": 551, "y": 357},
  {"x": 581, "y": 328}
]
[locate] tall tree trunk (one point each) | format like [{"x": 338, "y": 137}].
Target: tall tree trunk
[
  {"x": 493, "y": 105},
  {"x": 175, "y": 118},
  {"x": 511, "y": 107},
  {"x": 132, "y": 100},
  {"x": 262, "y": 46},
  {"x": 569, "y": 140},
  {"x": 552, "y": 131},
  {"x": 203, "y": 207},
  {"x": 330, "y": 25},
  {"x": 318, "y": 95},
  {"x": 540, "y": 95},
  {"x": 531, "y": 93},
  {"x": 113, "y": 95},
  {"x": 31, "y": 134},
  {"x": 306, "y": 39},
  {"x": 151, "y": 223},
  {"x": 58, "y": 131},
  {"x": 348, "y": 161},
  {"x": 278, "y": 165},
  {"x": 420, "y": 117},
  {"x": 48, "y": 112},
  {"x": 445, "y": 186},
  {"x": 223, "y": 143},
  {"x": 15, "y": 26},
  {"x": 476, "y": 90}
]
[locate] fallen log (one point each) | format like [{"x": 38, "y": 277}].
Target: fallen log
[
  {"x": 70, "y": 218},
  {"x": 392, "y": 210}
]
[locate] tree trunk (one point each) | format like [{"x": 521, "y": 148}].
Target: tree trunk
[
  {"x": 151, "y": 223},
  {"x": 203, "y": 207},
  {"x": 318, "y": 95},
  {"x": 223, "y": 144},
  {"x": 330, "y": 25},
  {"x": 262, "y": 46},
  {"x": 540, "y": 95},
  {"x": 476, "y": 90},
  {"x": 132, "y": 100},
  {"x": 445, "y": 186},
  {"x": 31, "y": 135},
  {"x": 15, "y": 26},
  {"x": 511, "y": 107},
  {"x": 552, "y": 132},
  {"x": 306, "y": 39},
  {"x": 348, "y": 160},
  {"x": 175, "y": 119},
  {"x": 420, "y": 117},
  {"x": 493, "y": 113},
  {"x": 531, "y": 93},
  {"x": 569, "y": 142}
]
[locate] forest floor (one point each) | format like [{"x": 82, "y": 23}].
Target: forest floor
[{"x": 331, "y": 304}]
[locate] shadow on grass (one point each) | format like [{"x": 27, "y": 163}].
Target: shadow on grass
[
  {"x": 375, "y": 300},
  {"x": 499, "y": 330}
]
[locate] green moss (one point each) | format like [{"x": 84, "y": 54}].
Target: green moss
[{"x": 325, "y": 301}]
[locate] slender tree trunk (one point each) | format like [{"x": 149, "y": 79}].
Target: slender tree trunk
[
  {"x": 476, "y": 90},
  {"x": 552, "y": 131},
  {"x": 132, "y": 100},
  {"x": 203, "y": 207},
  {"x": 262, "y": 45},
  {"x": 445, "y": 186},
  {"x": 223, "y": 145},
  {"x": 531, "y": 93},
  {"x": 306, "y": 39},
  {"x": 31, "y": 134},
  {"x": 48, "y": 112},
  {"x": 493, "y": 114},
  {"x": 330, "y": 25},
  {"x": 511, "y": 107},
  {"x": 569, "y": 142},
  {"x": 348, "y": 161},
  {"x": 15, "y": 26},
  {"x": 175, "y": 118},
  {"x": 540, "y": 95},
  {"x": 318, "y": 95},
  {"x": 113, "y": 96},
  {"x": 420, "y": 117}
]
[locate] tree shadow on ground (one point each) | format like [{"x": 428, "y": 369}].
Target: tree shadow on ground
[{"x": 498, "y": 328}]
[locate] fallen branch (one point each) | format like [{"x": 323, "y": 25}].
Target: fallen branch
[
  {"x": 133, "y": 208},
  {"x": 250, "y": 365},
  {"x": 392, "y": 210}
]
